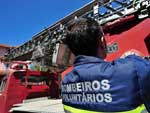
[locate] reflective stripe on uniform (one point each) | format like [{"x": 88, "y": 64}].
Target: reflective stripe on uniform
[
  {"x": 64, "y": 73},
  {"x": 68, "y": 109}
]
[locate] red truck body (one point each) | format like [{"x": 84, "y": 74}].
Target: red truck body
[
  {"x": 127, "y": 34},
  {"x": 21, "y": 85}
]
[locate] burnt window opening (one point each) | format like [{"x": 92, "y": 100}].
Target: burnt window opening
[{"x": 147, "y": 43}]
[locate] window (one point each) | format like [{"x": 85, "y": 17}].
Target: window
[
  {"x": 112, "y": 48},
  {"x": 33, "y": 80}
]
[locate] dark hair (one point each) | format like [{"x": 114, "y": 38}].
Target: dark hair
[{"x": 82, "y": 36}]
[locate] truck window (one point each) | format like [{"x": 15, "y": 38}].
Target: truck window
[
  {"x": 3, "y": 85},
  {"x": 147, "y": 43},
  {"x": 112, "y": 48},
  {"x": 35, "y": 80}
]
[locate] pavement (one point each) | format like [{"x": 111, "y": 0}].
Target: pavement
[{"x": 40, "y": 106}]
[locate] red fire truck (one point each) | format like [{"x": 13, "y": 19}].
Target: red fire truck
[
  {"x": 22, "y": 85},
  {"x": 128, "y": 34}
]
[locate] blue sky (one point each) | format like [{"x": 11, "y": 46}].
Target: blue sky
[{"x": 20, "y": 20}]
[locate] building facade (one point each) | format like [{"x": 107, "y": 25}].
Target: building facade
[{"x": 4, "y": 49}]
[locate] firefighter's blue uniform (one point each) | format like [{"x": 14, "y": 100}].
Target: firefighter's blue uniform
[{"x": 97, "y": 86}]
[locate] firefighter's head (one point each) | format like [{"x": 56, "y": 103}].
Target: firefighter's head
[{"x": 84, "y": 36}]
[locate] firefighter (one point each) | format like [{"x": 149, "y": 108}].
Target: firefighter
[
  {"x": 54, "y": 85},
  {"x": 97, "y": 86}
]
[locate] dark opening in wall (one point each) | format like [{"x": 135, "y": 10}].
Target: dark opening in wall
[{"x": 147, "y": 43}]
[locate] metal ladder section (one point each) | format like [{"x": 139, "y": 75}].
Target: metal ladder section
[
  {"x": 114, "y": 9},
  {"x": 102, "y": 10},
  {"x": 108, "y": 10}
]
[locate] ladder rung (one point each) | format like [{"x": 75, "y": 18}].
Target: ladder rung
[{"x": 114, "y": 10}]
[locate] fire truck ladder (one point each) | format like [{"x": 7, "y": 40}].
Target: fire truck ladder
[
  {"x": 102, "y": 10},
  {"x": 114, "y": 9}
]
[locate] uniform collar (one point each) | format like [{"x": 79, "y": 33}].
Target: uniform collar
[{"x": 82, "y": 59}]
